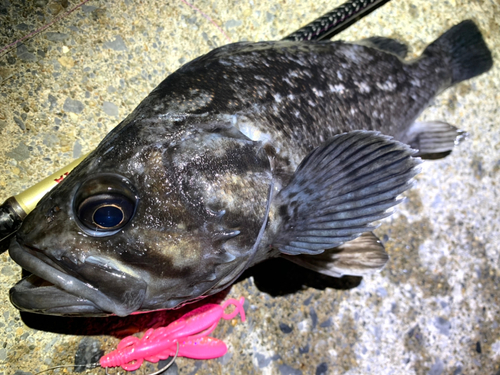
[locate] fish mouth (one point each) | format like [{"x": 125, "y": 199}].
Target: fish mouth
[
  {"x": 50, "y": 290},
  {"x": 36, "y": 295}
]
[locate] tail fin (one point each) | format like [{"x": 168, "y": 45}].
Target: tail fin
[{"x": 468, "y": 53}]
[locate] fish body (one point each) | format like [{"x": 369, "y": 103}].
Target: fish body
[{"x": 252, "y": 151}]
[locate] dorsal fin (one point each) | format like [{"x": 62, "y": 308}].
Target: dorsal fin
[{"x": 387, "y": 45}]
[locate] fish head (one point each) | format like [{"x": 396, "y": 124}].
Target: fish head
[{"x": 150, "y": 220}]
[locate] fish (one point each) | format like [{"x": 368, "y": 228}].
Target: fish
[{"x": 252, "y": 151}]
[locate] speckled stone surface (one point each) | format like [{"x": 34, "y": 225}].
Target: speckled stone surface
[{"x": 435, "y": 309}]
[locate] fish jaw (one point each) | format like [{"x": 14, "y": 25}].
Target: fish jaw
[
  {"x": 35, "y": 295},
  {"x": 66, "y": 294}
]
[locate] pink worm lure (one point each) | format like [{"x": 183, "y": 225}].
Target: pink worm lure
[{"x": 188, "y": 334}]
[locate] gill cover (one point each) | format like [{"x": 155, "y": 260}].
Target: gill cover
[{"x": 222, "y": 179}]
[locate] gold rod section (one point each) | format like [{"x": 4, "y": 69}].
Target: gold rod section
[
  {"x": 29, "y": 198},
  {"x": 15, "y": 209}
]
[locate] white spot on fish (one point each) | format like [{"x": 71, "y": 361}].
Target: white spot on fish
[
  {"x": 351, "y": 53},
  {"x": 298, "y": 61},
  {"x": 386, "y": 86},
  {"x": 307, "y": 73},
  {"x": 339, "y": 75},
  {"x": 239, "y": 63},
  {"x": 226, "y": 63},
  {"x": 415, "y": 82},
  {"x": 337, "y": 88},
  {"x": 363, "y": 87},
  {"x": 261, "y": 91},
  {"x": 287, "y": 81},
  {"x": 317, "y": 92},
  {"x": 277, "y": 97}
]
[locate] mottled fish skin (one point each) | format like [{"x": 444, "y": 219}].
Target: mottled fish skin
[
  {"x": 200, "y": 154},
  {"x": 299, "y": 94}
]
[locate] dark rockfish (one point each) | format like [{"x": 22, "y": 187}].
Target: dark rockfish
[{"x": 252, "y": 151}]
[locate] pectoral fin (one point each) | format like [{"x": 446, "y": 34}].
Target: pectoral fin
[
  {"x": 339, "y": 189},
  {"x": 359, "y": 257}
]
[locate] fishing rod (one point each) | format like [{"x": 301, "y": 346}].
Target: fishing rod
[
  {"x": 16, "y": 208},
  {"x": 339, "y": 19}
]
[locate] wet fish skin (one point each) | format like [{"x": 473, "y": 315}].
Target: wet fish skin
[
  {"x": 215, "y": 163},
  {"x": 346, "y": 87},
  {"x": 161, "y": 246}
]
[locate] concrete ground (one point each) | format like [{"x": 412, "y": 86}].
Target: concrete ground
[{"x": 435, "y": 308}]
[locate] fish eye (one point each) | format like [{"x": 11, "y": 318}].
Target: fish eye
[
  {"x": 105, "y": 212},
  {"x": 104, "y": 204}
]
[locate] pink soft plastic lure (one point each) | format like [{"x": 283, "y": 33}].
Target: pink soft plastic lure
[{"x": 188, "y": 334}]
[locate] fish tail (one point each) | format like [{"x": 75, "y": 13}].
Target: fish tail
[{"x": 466, "y": 51}]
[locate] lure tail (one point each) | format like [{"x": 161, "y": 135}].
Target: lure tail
[{"x": 185, "y": 337}]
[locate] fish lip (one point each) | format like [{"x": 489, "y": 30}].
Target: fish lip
[
  {"x": 26, "y": 291},
  {"x": 66, "y": 283}
]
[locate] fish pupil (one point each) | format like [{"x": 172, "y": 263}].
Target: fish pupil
[{"x": 108, "y": 216}]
